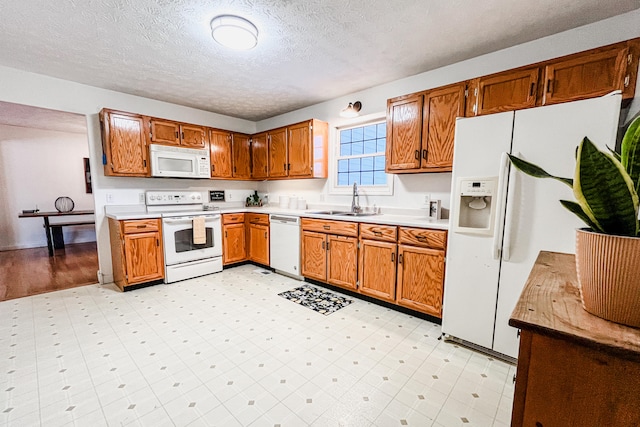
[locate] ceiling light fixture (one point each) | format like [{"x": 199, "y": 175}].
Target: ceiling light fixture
[
  {"x": 234, "y": 32},
  {"x": 352, "y": 110}
]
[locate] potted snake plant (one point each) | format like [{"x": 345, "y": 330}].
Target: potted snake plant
[{"x": 606, "y": 186}]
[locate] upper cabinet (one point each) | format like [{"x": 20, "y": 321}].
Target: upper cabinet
[
  {"x": 259, "y": 156},
  {"x": 173, "y": 133},
  {"x": 585, "y": 76},
  {"x": 220, "y": 153},
  {"x": 241, "y": 149},
  {"x": 277, "y": 153},
  {"x": 124, "y": 144},
  {"x": 511, "y": 90},
  {"x": 420, "y": 130}
]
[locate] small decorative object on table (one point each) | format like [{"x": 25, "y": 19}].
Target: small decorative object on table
[
  {"x": 64, "y": 204},
  {"x": 606, "y": 188},
  {"x": 253, "y": 200},
  {"x": 435, "y": 210}
]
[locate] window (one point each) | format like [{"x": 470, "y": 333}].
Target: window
[{"x": 361, "y": 158}]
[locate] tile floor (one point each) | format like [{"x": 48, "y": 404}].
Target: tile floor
[{"x": 226, "y": 350}]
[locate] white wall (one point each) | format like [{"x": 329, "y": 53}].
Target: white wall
[
  {"x": 410, "y": 189},
  {"x": 42, "y": 91},
  {"x": 36, "y": 167}
]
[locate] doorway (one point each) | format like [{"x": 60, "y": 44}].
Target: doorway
[{"x": 42, "y": 163}]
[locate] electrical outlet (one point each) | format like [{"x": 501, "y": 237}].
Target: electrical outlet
[
  {"x": 109, "y": 197},
  {"x": 141, "y": 198}
]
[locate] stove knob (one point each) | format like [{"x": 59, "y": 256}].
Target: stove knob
[
  {"x": 198, "y": 197},
  {"x": 193, "y": 197}
]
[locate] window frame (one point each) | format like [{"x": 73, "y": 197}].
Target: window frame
[{"x": 373, "y": 190}]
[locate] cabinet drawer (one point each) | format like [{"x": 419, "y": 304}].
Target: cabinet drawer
[
  {"x": 331, "y": 227},
  {"x": 436, "y": 239},
  {"x": 140, "y": 225},
  {"x": 232, "y": 218},
  {"x": 254, "y": 218},
  {"x": 383, "y": 233}
]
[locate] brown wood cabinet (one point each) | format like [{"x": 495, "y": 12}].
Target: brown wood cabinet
[
  {"x": 124, "y": 143},
  {"x": 378, "y": 269},
  {"x": 507, "y": 91},
  {"x": 306, "y": 150},
  {"x": 420, "y": 130},
  {"x": 259, "y": 156},
  {"x": 136, "y": 251},
  {"x": 421, "y": 258},
  {"x": 220, "y": 153},
  {"x": 241, "y": 148},
  {"x": 233, "y": 238},
  {"x": 258, "y": 237},
  {"x": 278, "y": 153},
  {"x": 330, "y": 252},
  {"x": 574, "y": 369},
  {"x": 173, "y": 133},
  {"x": 585, "y": 76}
]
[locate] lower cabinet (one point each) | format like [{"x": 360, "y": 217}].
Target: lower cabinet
[
  {"x": 400, "y": 265},
  {"x": 136, "y": 251},
  {"x": 233, "y": 238},
  {"x": 330, "y": 252},
  {"x": 258, "y": 237}
]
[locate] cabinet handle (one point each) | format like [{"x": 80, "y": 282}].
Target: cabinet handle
[
  {"x": 157, "y": 242},
  {"x": 400, "y": 259},
  {"x": 421, "y": 238},
  {"x": 377, "y": 234},
  {"x": 144, "y": 162},
  {"x": 549, "y": 86},
  {"x": 265, "y": 234},
  {"x": 182, "y": 135},
  {"x": 177, "y": 135},
  {"x": 327, "y": 245},
  {"x": 326, "y": 227},
  {"x": 288, "y": 166},
  {"x": 533, "y": 85},
  {"x": 393, "y": 257},
  {"x": 225, "y": 234},
  {"x": 323, "y": 245},
  {"x": 141, "y": 226},
  {"x": 417, "y": 153},
  {"x": 213, "y": 168},
  {"x": 234, "y": 169},
  {"x": 285, "y": 166},
  {"x": 424, "y": 154}
]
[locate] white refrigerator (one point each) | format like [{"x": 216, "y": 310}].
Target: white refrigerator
[{"x": 486, "y": 270}]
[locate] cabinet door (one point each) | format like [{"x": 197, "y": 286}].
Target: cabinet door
[
  {"x": 278, "y": 153},
  {"x": 404, "y": 133},
  {"x": 378, "y": 269},
  {"x": 241, "y": 148},
  {"x": 299, "y": 150},
  {"x": 125, "y": 145},
  {"x": 314, "y": 257},
  {"x": 165, "y": 132},
  {"x": 441, "y": 107},
  {"x": 259, "y": 243},
  {"x": 259, "y": 156},
  {"x": 220, "y": 149},
  {"x": 144, "y": 257},
  {"x": 586, "y": 76},
  {"x": 420, "y": 279},
  {"x": 342, "y": 261},
  {"x": 233, "y": 243},
  {"x": 193, "y": 136},
  {"x": 511, "y": 90}
]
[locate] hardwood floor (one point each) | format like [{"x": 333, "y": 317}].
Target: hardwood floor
[{"x": 31, "y": 271}]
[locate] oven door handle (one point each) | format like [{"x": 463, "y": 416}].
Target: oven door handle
[{"x": 185, "y": 220}]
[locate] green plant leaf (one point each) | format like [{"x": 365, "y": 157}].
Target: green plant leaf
[
  {"x": 605, "y": 191},
  {"x": 613, "y": 152},
  {"x": 630, "y": 152},
  {"x": 577, "y": 209},
  {"x": 536, "y": 171}
]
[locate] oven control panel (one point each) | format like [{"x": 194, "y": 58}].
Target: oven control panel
[{"x": 157, "y": 198}]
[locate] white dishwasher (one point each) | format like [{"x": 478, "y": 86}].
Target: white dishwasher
[{"x": 284, "y": 246}]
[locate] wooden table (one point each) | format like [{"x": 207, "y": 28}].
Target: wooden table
[
  {"x": 574, "y": 369},
  {"x": 54, "y": 238}
]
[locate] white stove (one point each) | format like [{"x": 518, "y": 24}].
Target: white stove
[{"x": 183, "y": 258}]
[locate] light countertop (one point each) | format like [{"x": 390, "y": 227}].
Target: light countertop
[{"x": 139, "y": 212}]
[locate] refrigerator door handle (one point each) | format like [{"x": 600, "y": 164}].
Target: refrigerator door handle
[
  {"x": 500, "y": 198},
  {"x": 506, "y": 245}
]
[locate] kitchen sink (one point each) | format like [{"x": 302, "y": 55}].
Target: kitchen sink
[{"x": 343, "y": 213}]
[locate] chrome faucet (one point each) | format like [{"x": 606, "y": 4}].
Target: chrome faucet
[{"x": 355, "y": 201}]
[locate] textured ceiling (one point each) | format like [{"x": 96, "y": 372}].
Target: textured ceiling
[{"x": 309, "y": 50}]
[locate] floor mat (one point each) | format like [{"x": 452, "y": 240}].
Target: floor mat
[{"x": 319, "y": 300}]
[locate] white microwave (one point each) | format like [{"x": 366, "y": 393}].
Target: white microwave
[{"x": 179, "y": 162}]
